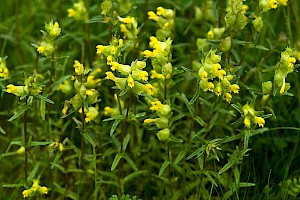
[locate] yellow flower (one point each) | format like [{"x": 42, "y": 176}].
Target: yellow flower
[
  {"x": 149, "y": 89},
  {"x": 152, "y": 15},
  {"x": 109, "y": 59},
  {"x": 272, "y": 4},
  {"x": 235, "y": 88},
  {"x": 130, "y": 81},
  {"x": 21, "y": 150},
  {"x": 4, "y": 72},
  {"x": 148, "y": 121},
  {"x": 210, "y": 86},
  {"x": 160, "y": 11},
  {"x": 26, "y": 193},
  {"x": 228, "y": 97},
  {"x": 148, "y": 53},
  {"x": 127, "y": 20},
  {"x": 35, "y": 185},
  {"x": 221, "y": 73},
  {"x": 144, "y": 75},
  {"x": 55, "y": 30},
  {"x": 166, "y": 25},
  {"x": 71, "y": 12},
  {"x": 260, "y": 121},
  {"x": 100, "y": 49},
  {"x": 153, "y": 41},
  {"x": 110, "y": 76},
  {"x": 245, "y": 8},
  {"x": 11, "y": 88},
  {"x": 204, "y": 75},
  {"x": 91, "y": 114},
  {"x": 41, "y": 49},
  {"x": 44, "y": 190},
  {"x": 210, "y": 35},
  {"x": 156, "y": 105},
  {"x": 247, "y": 122},
  {"x": 282, "y": 89},
  {"x": 107, "y": 110},
  {"x": 218, "y": 90},
  {"x": 79, "y": 69},
  {"x": 114, "y": 65},
  {"x": 89, "y": 93}
]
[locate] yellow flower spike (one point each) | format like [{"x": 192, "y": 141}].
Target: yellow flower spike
[
  {"x": 210, "y": 86},
  {"x": 71, "y": 12},
  {"x": 41, "y": 49},
  {"x": 144, "y": 75},
  {"x": 148, "y": 53},
  {"x": 283, "y": 2},
  {"x": 235, "y": 88},
  {"x": 247, "y": 122},
  {"x": 210, "y": 35},
  {"x": 228, "y": 97},
  {"x": 218, "y": 90},
  {"x": 272, "y": 4},
  {"x": 260, "y": 121},
  {"x": 221, "y": 73},
  {"x": 26, "y": 193},
  {"x": 44, "y": 190},
  {"x": 152, "y": 15},
  {"x": 148, "y": 121},
  {"x": 100, "y": 49},
  {"x": 130, "y": 81},
  {"x": 149, "y": 89},
  {"x": 245, "y": 8},
  {"x": 156, "y": 105},
  {"x": 204, "y": 75},
  {"x": 160, "y": 11},
  {"x": 110, "y": 76}
]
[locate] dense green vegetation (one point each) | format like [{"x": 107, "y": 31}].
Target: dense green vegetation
[{"x": 146, "y": 99}]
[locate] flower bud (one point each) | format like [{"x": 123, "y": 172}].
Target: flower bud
[
  {"x": 164, "y": 134},
  {"x": 167, "y": 69},
  {"x": 267, "y": 87},
  {"x": 162, "y": 122},
  {"x": 225, "y": 44}
]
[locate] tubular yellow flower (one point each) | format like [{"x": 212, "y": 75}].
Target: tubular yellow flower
[
  {"x": 55, "y": 30},
  {"x": 156, "y": 105},
  {"x": 221, "y": 73},
  {"x": 149, "y": 89},
  {"x": 110, "y": 76},
  {"x": 228, "y": 97},
  {"x": 204, "y": 75},
  {"x": 91, "y": 114},
  {"x": 166, "y": 25},
  {"x": 44, "y": 190},
  {"x": 89, "y": 93},
  {"x": 235, "y": 88},
  {"x": 148, "y": 54},
  {"x": 247, "y": 122},
  {"x": 260, "y": 121},
  {"x": 210, "y": 86},
  {"x": 100, "y": 49},
  {"x": 148, "y": 121},
  {"x": 26, "y": 193},
  {"x": 144, "y": 75},
  {"x": 216, "y": 67},
  {"x": 109, "y": 59},
  {"x": 114, "y": 66},
  {"x": 41, "y": 49},
  {"x": 160, "y": 11},
  {"x": 79, "y": 69},
  {"x": 152, "y": 15},
  {"x": 210, "y": 35},
  {"x": 282, "y": 89},
  {"x": 245, "y": 8},
  {"x": 35, "y": 185},
  {"x": 11, "y": 88},
  {"x": 107, "y": 110},
  {"x": 272, "y": 4},
  {"x": 130, "y": 81},
  {"x": 71, "y": 12},
  {"x": 218, "y": 90},
  {"x": 64, "y": 110},
  {"x": 153, "y": 41}
]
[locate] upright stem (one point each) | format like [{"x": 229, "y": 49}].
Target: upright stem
[
  {"x": 169, "y": 152},
  {"x": 25, "y": 144}
]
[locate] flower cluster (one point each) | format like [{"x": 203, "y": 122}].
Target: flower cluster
[
  {"x": 85, "y": 95},
  {"x": 78, "y": 11},
  {"x": 48, "y": 45},
  {"x": 31, "y": 87},
  {"x": 235, "y": 18},
  {"x": 165, "y": 20},
  {"x": 130, "y": 30},
  {"x": 3, "y": 69},
  {"x": 251, "y": 116},
  {"x": 35, "y": 188},
  {"x": 164, "y": 112},
  {"x": 214, "y": 79}
]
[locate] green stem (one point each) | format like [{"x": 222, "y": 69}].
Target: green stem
[
  {"x": 25, "y": 144},
  {"x": 165, "y": 89}
]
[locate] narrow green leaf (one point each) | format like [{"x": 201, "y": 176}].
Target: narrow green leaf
[
  {"x": 236, "y": 107},
  {"x": 2, "y": 131},
  {"x": 116, "y": 161},
  {"x": 126, "y": 141},
  {"x": 89, "y": 138},
  {"x": 32, "y": 174},
  {"x": 20, "y": 112},
  {"x": 96, "y": 19},
  {"x": 39, "y": 143},
  {"x": 187, "y": 103},
  {"x": 133, "y": 175},
  {"x": 14, "y": 185},
  {"x": 180, "y": 156},
  {"x": 44, "y": 98},
  {"x": 130, "y": 162},
  {"x": 210, "y": 178},
  {"x": 56, "y": 159},
  {"x": 163, "y": 167},
  {"x": 197, "y": 153},
  {"x": 42, "y": 109},
  {"x": 243, "y": 184},
  {"x": 200, "y": 121},
  {"x": 114, "y": 126}
]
